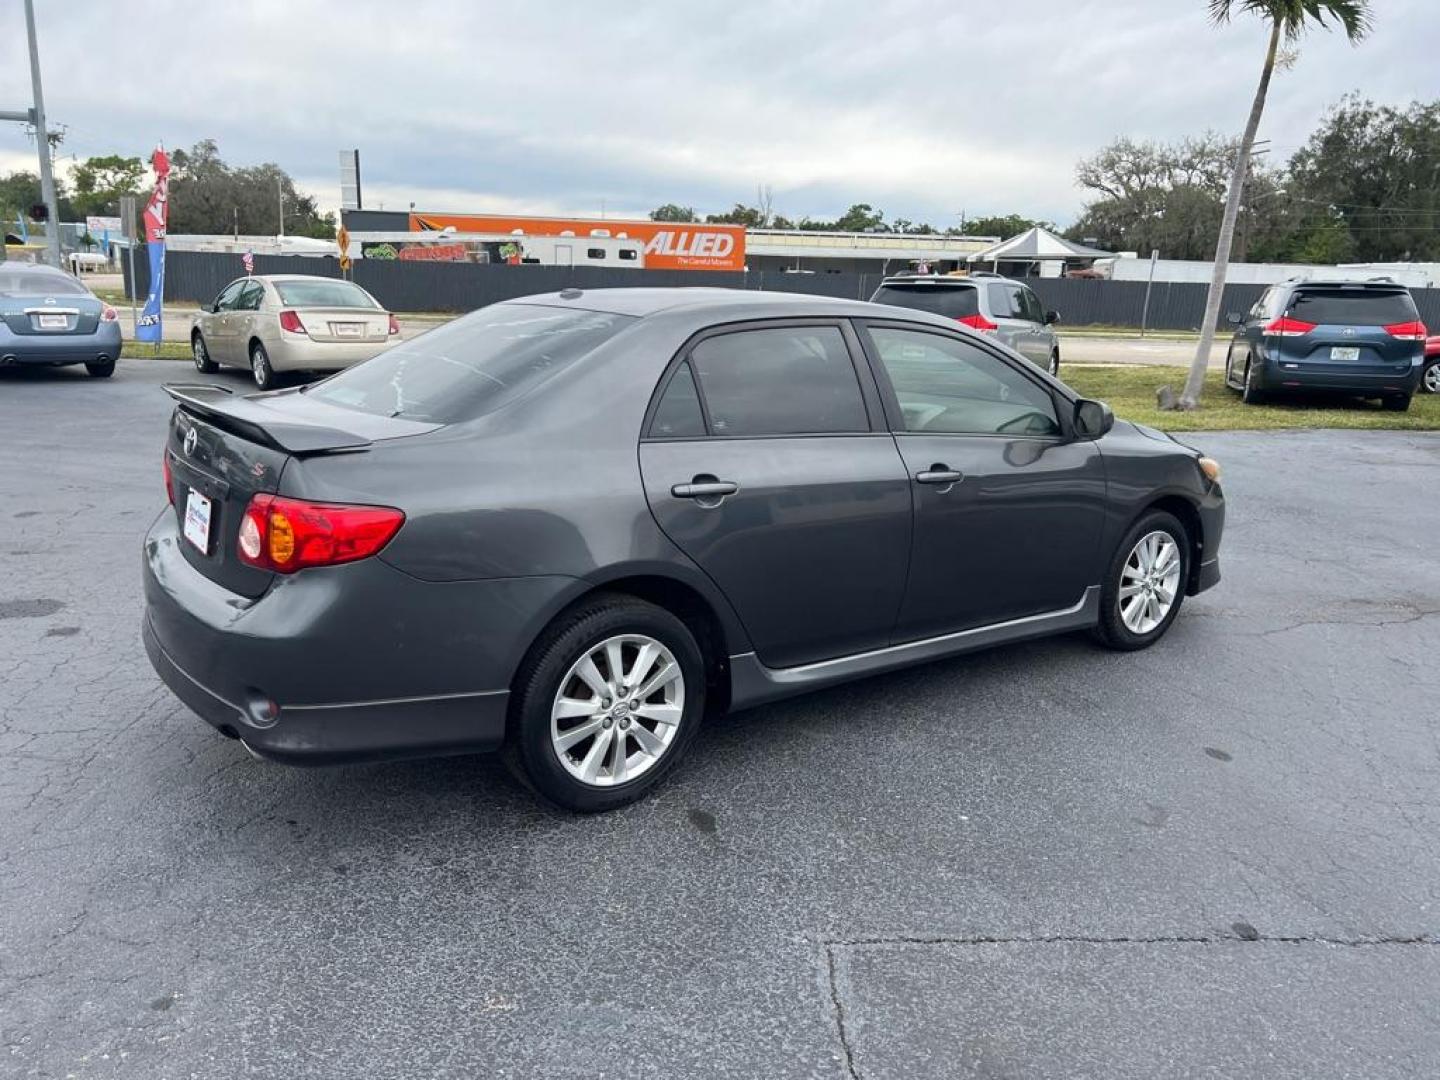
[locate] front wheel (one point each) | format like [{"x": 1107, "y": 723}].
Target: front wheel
[
  {"x": 1054, "y": 366},
  {"x": 607, "y": 703},
  {"x": 260, "y": 367},
  {"x": 1145, "y": 584}
]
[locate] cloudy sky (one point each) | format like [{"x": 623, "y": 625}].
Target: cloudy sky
[{"x": 923, "y": 108}]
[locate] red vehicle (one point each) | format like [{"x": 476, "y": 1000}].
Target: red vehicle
[{"x": 1430, "y": 377}]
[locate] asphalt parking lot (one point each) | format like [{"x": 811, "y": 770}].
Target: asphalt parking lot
[{"x": 1215, "y": 858}]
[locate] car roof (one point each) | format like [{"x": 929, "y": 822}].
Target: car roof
[
  {"x": 298, "y": 277},
  {"x": 1323, "y": 283},
  {"x": 644, "y": 301},
  {"x": 33, "y": 268},
  {"x": 932, "y": 281}
]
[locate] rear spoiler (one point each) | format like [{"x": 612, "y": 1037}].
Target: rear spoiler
[{"x": 251, "y": 419}]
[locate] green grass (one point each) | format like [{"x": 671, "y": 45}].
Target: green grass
[
  {"x": 169, "y": 350},
  {"x": 1130, "y": 391}
]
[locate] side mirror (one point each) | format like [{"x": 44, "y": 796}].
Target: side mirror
[
  {"x": 1051, "y": 318},
  {"x": 1093, "y": 418},
  {"x": 1234, "y": 318}
]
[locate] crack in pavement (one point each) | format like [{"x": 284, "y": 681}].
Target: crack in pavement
[{"x": 1244, "y": 934}]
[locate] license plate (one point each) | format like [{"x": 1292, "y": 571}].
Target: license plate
[
  {"x": 197, "y": 520},
  {"x": 53, "y": 322},
  {"x": 1345, "y": 352},
  {"x": 348, "y": 329}
]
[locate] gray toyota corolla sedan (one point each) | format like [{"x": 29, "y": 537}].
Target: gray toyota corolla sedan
[{"x": 571, "y": 526}]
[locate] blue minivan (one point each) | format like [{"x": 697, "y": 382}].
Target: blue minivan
[{"x": 1357, "y": 337}]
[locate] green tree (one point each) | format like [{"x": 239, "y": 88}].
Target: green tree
[
  {"x": 19, "y": 191},
  {"x": 208, "y": 196},
  {"x": 1288, "y": 20},
  {"x": 1004, "y": 226},
  {"x": 862, "y": 217},
  {"x": 1372, "y": 172},
  {"x": 673, "y": 212},
  {"x": 752, "y": 217},
  {"x": 101, "y": 181}
]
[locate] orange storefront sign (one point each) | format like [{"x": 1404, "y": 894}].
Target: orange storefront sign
[{"x": 669, "y": 245}]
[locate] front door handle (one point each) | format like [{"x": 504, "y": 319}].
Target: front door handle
[
  {"x": 939, "y": 474},
  {"x": 705, "y": 487}
]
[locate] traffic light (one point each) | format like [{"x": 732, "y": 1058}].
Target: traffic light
[{"x": 39, "y": 212}]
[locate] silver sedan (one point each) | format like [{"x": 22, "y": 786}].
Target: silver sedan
[{"x": 290, "y": 322}]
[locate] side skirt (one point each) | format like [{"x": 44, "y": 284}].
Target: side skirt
[{"x": 752, "y": 683}]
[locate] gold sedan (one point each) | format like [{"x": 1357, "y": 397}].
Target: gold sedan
[{"x": 276, "y": 323}]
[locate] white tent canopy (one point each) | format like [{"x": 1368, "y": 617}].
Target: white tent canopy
[{"x": 1037, "y": 245}]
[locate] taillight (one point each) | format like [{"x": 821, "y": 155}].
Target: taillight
[
  {"x": 1288, "y": 327},
  {"x": 1407, "y": 331},
  {"x": 290, "y": 321},
  {"x": 169, "y": 483},
  {"x": 109, "y": 314},
  {"x": 394, "y": 325},
  {"x": 285, "y": 535},
  {"x": 979, "y": 322}
]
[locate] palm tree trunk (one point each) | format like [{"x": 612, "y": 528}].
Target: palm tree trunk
[{"x": 1190, "y": 398}]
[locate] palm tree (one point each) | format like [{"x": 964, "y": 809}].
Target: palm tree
[{"x": 1288, "y": 19}]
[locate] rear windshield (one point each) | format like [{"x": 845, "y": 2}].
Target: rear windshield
[
  {"x": 323, "y": 294},
  {"x": 952, "y": 301},
  {"x": 1353, "y": 307},
  {"x": 13, "y": 284},
  {"x": 473, "y": 365}
]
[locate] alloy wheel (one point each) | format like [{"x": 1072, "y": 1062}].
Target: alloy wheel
[
  {"x": 260, "y": 368},
  {"x": 618, "y": 710},
  {"x": 202, "y": 357},
  {"x": 1432, "y": 379},
  {"x": 1149, "y": 582}
]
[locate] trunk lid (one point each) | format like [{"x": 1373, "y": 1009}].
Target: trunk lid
[
  {"x": 224, "y": 449},
  {"x": 34, "y": 315},
  {"x": 344, "y": 324}
]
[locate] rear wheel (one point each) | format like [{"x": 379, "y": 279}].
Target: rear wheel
[
  {"x": 203, "y": 363},
  {"x": 1250, "y": 391},
  {"x": 1430, "y": 377},
  {"x": 1396, "y": 403},
  {"x": 1145, "y": 584},
  {"x": 607, "y": 703},
  {"x": 260, "y": 367},
  {"x": 1230, "y": 372},
  {"x": 1054, "y": 367},
  {"x": 101, "y": 369}
]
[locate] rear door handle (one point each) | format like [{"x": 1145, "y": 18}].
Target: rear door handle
[
  {"x": 939, "y": 474},
  {"x": 705, "y": 487}
]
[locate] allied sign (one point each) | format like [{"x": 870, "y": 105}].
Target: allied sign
[{"x": 669, "y": 245}]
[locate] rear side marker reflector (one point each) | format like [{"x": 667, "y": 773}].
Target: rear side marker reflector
[{"x": 285, "y": 535}]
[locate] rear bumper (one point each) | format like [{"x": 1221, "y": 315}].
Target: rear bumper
[
  {"x": 292, "y": 352},
  {"x": 59, "y": 349},
  {"x": 345, "y": 663},
  {"x": 1279, "y": 378}
]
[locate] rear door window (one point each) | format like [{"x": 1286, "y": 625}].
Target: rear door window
[
  {"x": 951, "y": 301},
  {"x": 1353, "y": 307},
  {"x": 1005, "y": 301},
  {"x": 794, "y": 380},
  {"x": 250, "y": 297},
  {"x": 471, "y": 366},
  {"x": 678, "y": 415}
]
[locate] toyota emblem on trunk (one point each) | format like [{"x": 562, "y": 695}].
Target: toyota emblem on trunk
[{"x": 191, "y": 437}]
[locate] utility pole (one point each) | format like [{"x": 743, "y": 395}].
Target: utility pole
[{"x": 42, "y": 139}]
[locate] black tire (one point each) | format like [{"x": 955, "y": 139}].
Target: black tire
[
  {"x": 1250, "y": 393},
  {"x": 101, "y": 369},
  {"x": 1055, "y": 363},
  {"x": 1396, "y": 403},
  {"x": 1230, "y": 373},
  {"x": 261, "y": 369},
  {"x": 530, "y": 751},
  {"x": 200, "y": 353},
  {"x": 1112, "y": 630},
  {"x": 1430, "y": 376}
]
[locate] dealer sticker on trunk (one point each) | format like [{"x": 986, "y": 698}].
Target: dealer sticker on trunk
[{"x": 197, "y": 520}]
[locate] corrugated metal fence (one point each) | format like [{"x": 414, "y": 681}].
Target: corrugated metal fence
[{"x": 458, "y": 287}]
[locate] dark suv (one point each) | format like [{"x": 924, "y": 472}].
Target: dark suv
[
  {"x": 1008, "y": 310},
  {"x": 1361, "y": 338}
]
